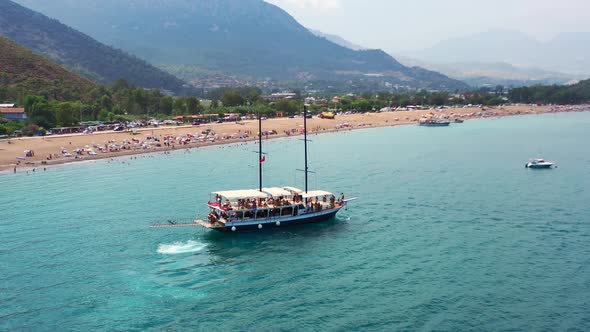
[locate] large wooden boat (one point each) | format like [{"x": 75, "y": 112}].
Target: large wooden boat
[{"x": 252, "y": 210}]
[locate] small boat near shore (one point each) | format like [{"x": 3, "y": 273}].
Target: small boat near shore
[
  {"x": 539, "y": 163},
  {"x": 434, "y": 122}
]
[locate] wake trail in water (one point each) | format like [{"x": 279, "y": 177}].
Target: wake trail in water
[{"x": 181, "y": 247}]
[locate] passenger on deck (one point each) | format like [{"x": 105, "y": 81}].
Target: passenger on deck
[
  {"x": 332, "y": 201},
  {"x": 213, "y": 217},
  {"x": 227, "y": 205},
  {"x": 341, "y": 199}
]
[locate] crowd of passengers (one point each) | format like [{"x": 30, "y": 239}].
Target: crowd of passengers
[
  {"x": 260, "y": 207},
  {"x": 270, "y": 202}
]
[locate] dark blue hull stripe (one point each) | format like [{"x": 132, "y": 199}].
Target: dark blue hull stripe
[{"x": 254, "y": 227}]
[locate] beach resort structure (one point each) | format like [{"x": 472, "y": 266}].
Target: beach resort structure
[
  {"x": 281, "y": 96},
  {"x": 12, "y": 113}
]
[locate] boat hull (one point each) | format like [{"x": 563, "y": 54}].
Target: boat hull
[
  {"x": 441, "y": 124},
  {"x": 538, "y": 166},
  {"x": 275, "y": 223}
]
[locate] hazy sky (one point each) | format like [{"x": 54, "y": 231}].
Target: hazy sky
[{"x": 395, "y": 25}]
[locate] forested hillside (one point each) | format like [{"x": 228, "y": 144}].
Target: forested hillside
[
  {"x": 553, "y": 94},
  {"x": 24, "y": 72}
]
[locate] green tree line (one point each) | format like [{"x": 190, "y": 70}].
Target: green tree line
[{"x": 125, "y": 102}]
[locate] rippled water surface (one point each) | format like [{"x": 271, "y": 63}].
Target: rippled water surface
[{"x": 451, "y": 232}]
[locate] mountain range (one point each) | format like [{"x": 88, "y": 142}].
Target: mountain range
[
  {"x": 567, "y": 53},
  {"x": 495, "y": 73},
  {"x": 79, "y": 52},
  {"x": 338, "y": 40},
  {"x": 477, "y": 73},
  {"x": 250, "y": 38}
]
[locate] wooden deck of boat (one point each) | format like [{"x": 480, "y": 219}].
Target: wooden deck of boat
[
  {"x": 196, "y": 223},
  {"x": 208, "y": 224}
]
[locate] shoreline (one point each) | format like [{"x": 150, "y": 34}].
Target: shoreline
[{"x": 319, "y": 126}]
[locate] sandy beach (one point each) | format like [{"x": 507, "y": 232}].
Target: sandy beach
[{"x": 54, "y": 150}]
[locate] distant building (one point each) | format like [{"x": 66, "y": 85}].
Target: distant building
[
  {"x": 13, "y": 113},
  {"x": 310, "y": 100},
  {"x": 281, "y": 96}
]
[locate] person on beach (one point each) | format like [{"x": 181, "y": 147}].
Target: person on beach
[{"x": 14, "y": 169}]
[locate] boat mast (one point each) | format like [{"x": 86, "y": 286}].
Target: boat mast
[
  {"x": 305, "y": 142},
  {"x": 259, "y": 152}
]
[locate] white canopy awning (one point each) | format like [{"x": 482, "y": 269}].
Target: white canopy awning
[
  {"x": 293, "y": 190},
  {"x": 316, "y": 193},
  {"x": 241, "y": 194},
  {"x": 277, "y": 192}
]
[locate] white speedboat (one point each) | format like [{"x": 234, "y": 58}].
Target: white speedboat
[{"x": 539, "y": 163}]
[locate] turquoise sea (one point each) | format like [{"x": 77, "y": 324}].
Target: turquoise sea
[{"x": 450, "y": 233}]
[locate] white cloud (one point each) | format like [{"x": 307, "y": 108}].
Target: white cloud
[{"x": 321, "y": 5}]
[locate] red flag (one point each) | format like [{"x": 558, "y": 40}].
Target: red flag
[{"x": 263, "y": 159}]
